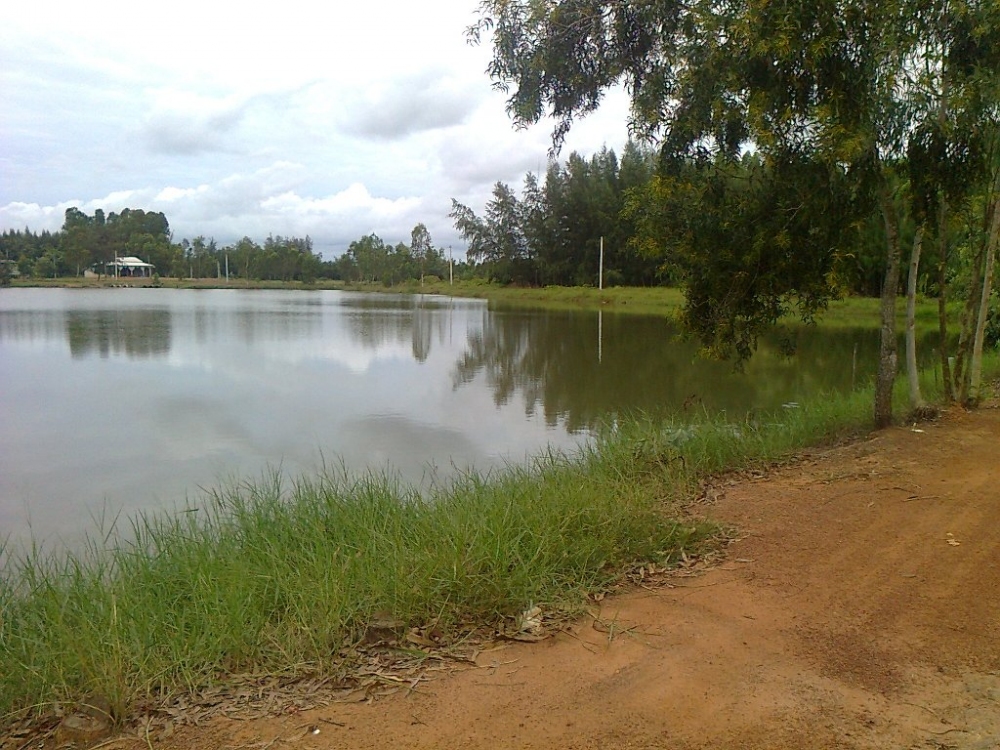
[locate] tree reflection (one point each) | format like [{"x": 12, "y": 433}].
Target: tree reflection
[
  {"x": 134, "y": 333},
  {"x": 375, "y": 323},
  {"x": 579, "y": 368}
]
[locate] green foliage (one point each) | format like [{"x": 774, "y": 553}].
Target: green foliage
[
  {"x": 47, "y": 266},
  {"x": 370, "y": 260},
  {"x": 750, "y": 242},
  {"x": 844, "y": 87},
  {"x": 499, "y": 239},
  {"x": 552, "y": 234},
  {"x": 993, "y": 323}
]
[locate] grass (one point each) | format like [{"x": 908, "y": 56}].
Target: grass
[{"x": 281, "y": 579}]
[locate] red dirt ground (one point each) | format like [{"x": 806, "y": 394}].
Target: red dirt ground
[{"x": 859, "y": 608}]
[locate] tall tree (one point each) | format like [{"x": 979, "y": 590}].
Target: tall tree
[
  {"x": 421, "y": 248},
  {"x": 80, "y": 237},
  {"x": 497, "y": 239}
]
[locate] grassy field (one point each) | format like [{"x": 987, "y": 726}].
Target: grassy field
[{"x": 280, "y": 579}]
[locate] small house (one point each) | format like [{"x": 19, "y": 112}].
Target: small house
[{"x": 130, "y": 266}]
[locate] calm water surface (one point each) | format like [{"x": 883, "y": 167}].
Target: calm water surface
[{"x": 120, "y": 400}]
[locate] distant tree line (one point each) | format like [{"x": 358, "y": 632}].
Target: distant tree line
[
  {"x": 87, "y": 241},
  {"x": 371, "y": 260},
  {"x": 660, "y": 217},
  {"x": 552, "y": 233},
  {"x": 93, "y": 242}
]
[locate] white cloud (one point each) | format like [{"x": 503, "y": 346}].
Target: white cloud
[
  {"x": 410, "y": 104},
  {"x": 186, "y": 123},
  {"x": 333, "y": 120}
]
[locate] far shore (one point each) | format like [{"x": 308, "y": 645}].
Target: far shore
[{"x": 661, "y": 300}]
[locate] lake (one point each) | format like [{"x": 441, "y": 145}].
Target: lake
[{"x": 124, "y": 400}]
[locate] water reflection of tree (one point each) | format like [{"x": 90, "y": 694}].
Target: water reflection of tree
[
  {"x": 265, "y": 325},
  {"x": 31, "y": 325},
  {"x": 374, "y": 324},
  {"x": 554, "y": 362},
  {"x": 134, "y": 333},
  {"x": 286, "y": 319}
]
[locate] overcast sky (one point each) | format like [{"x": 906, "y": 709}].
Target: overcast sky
[{"x": 332, "y": 119}]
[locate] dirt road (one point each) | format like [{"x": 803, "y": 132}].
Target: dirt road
[{"x": 859, "y": 608}]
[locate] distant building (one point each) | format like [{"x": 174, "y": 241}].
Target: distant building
[{"x": 129, "y": 266}]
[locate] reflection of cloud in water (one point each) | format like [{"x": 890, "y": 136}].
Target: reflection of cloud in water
[
  {"x": 192, "y": 428},
  {"x": 218, "y": 359},
  {"x": 403, "y": 445},
  {"x": 357, "y": 359}
]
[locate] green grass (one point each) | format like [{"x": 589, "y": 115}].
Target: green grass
[
  {"x": 645, "y": 300},
  {"x": 280, "y": 579},
  {"x": 667, "y": 301}
]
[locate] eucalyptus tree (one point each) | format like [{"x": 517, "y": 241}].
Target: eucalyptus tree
[
  {"x": 80, "y": 239},
  {"x": 981, "y": 289},
  {"x": 421, "y": 248},
  {"x": 953, "y": 158},
  {"x": 245, "y": 257},
  {"x": 820, "y": 89},
  {"x": 369, "y": 258},
  {"x": 497, "y": 239}
]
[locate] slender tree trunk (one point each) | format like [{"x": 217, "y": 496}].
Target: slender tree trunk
[
  {"x": 949, "y": 388},
  {"x": 966, "y": 331},
  {"x": 977, "y": 285},
  {"x": 942, "y": 223},
  {"x": 887, "y": 362},
  {"x": 912, "y": 373},
  {"x": 976, "y": 368}
]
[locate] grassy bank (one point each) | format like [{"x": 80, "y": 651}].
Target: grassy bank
[
  {"x": 277, "y": 579},
  {"x": 284, "y": 579}
]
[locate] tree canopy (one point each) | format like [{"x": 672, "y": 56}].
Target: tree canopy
[{"x": 828, "y": 93}]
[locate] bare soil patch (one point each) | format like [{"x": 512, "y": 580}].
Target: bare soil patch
[{"x": 859, "y": 608}]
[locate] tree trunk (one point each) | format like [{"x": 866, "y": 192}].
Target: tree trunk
[
  {"x": 912, "y": 373},
  {"x": 886, "y": 374},
  {"x": 976, "y": 368},
  {"x": 949, "y": 387},
  {"x": 966, "y": 331},
  {"x": 977, "y": 284}
]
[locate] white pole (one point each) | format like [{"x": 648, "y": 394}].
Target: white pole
[
  {"x": 227, "y": 268},
  {"x": 451, "y": 268},
  {"x": 600, "y": 275}
]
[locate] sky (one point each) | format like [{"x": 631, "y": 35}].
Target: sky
[{"x": 328, "y": 119}]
